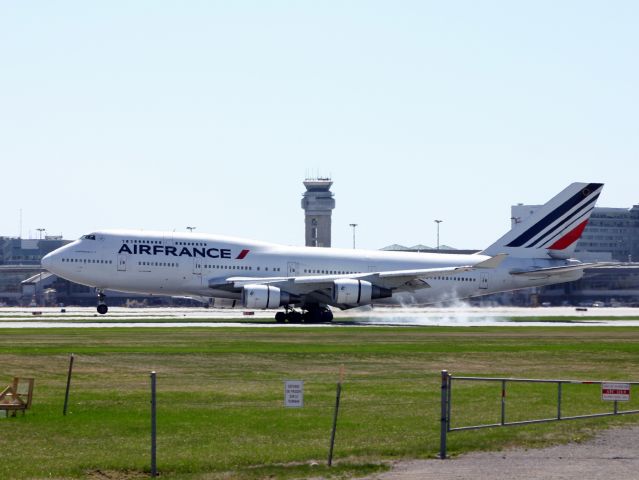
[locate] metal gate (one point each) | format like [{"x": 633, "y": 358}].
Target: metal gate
[{"x": 446, "y": 401}]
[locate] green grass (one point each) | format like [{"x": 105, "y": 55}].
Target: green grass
[
  {"x": 220, "y": 395},
  {"x": 569, "y": 319}
]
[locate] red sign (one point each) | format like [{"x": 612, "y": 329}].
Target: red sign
[{"x": 618, "y": 392}]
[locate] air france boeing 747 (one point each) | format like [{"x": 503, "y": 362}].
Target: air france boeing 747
[{"x": 305, "y": 281}]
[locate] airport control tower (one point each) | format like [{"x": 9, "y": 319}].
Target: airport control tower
[{"x": 318, "y": 204}]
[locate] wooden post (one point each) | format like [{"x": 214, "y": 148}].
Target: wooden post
[
  {"x": 66, "y": 395},
  {"x": 337, "y": 398},
  {"x": 444, "y": 414}
]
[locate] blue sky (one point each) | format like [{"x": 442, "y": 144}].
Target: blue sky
[{"x": 159, "y": 115}]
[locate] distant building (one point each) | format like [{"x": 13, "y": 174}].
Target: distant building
[
  {"x": 318, "y": 204},
  {"x": 11, "y": 278},
  {"x": 23, "y": 251},
  {"x": 19, "y": 261},
  {"x": 613, "y": 230},
  {"x": 614, "y": 286},
  {"x": 396, "y": 247}
]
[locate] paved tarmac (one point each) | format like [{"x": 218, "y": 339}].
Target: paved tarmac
[
  {"x": 611, "y": 454},
  {"x": 461, "y": 316}
]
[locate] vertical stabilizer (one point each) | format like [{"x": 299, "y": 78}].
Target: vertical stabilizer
[{"x": 553, "y": 230}]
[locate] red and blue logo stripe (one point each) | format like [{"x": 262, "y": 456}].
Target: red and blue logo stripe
[{"x": 552, "y": 228}]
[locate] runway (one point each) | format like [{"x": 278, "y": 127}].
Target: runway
[{"x": 461, "y": 316}]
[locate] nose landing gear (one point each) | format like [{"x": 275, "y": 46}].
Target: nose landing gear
[{"x": 102, "y": 306}]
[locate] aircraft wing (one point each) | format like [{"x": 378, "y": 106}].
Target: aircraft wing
[
  {"x": 320, "y": 286},
  {"x": 407, "y": 280}
]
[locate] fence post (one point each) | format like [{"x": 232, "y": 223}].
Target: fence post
[
  {"x": 558, "y": 400},
  {"x": 444, "y": 414},
  {"x": 503, "y": 402},
  {"x": 154, "y": 470},
  {"x": 337, "y": 398},
  {"x": 66, "y": 394}
]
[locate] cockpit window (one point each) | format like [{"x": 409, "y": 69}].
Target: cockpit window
[{"x": 89, "y": 237}]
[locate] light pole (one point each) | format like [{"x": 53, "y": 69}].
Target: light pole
[
  {"x": 39, "y": 284},
  {"x": 438, "y": 222},
  {"x": 190, "y": 229},
  {"x": 353, "y": 225}
]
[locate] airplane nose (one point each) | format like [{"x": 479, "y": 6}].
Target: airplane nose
[{"x": 47, "y": 261}]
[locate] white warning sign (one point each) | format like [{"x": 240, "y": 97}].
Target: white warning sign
[{"x": 294, "y": 393}]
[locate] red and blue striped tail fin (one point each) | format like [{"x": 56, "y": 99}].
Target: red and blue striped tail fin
[{"x": 551, "y": 231}]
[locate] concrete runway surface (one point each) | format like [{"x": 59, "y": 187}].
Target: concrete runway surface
[{"x": 462, "y": 316}]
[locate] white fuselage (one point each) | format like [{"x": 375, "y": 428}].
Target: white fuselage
[{"x": 178, "y": 264}]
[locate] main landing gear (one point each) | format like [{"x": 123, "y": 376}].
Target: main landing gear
[
  {"x": 313, "y": 314},
  {"x": 102, "y": 306}
]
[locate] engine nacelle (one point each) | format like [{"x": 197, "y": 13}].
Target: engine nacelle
[
  {"x": 349, "y": 291},
  {"x": 264, "y": 296}
]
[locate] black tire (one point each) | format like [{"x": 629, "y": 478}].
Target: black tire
[
  {"x": 280, "y": 317},
  {"x": 102, "y": 309},
  {"x": 318, "y": 315},
  {"x": 295, "y": 317},
  {"x": 327, "y": 316}
]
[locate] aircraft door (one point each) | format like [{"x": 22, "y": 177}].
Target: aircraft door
[
  {"x": 483, "y": 281},
  {"x": 292, "y": 270},
  {"x": 197, "y": 266},
  {"x": 197, "y": 270},
  {"x": 122, "y": 262}
]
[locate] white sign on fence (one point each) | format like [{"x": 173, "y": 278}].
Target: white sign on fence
[
  {"x": 294, "y": 393},
  {"x": 619, "y": 392}
]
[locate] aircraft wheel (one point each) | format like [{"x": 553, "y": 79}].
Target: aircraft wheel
[
  {"x": 280, "y": 317},
  {"x": 327, "y": 315},
  {"x": 295, "y": 317},
  {"x": 102, "y": 309},
  {"x": 315, "y": 315}
]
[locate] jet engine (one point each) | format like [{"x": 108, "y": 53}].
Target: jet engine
[
  {"x": 348, "y": 291},
  {"x": 264, "y": 296}
]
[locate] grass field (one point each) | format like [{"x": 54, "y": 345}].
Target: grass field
[{"x": 220, "y": 396}]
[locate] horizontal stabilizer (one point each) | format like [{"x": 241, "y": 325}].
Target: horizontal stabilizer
[{"x": 565, "y": 269}]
